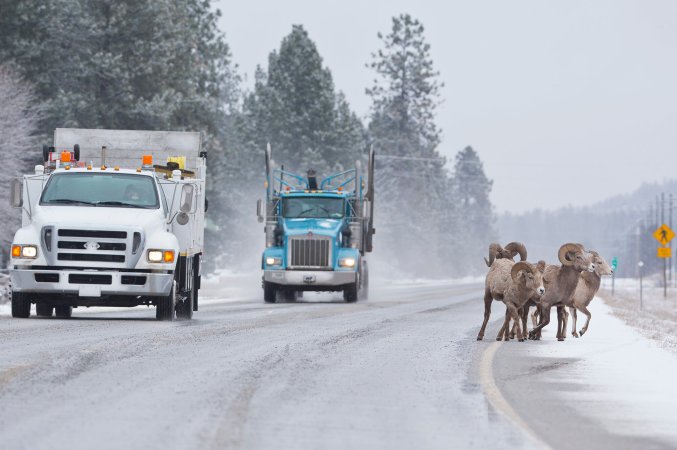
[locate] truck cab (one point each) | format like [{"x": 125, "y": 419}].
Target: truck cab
[
  {"x": 317, "y": 233},
  {"x": 108, "y": 235}
]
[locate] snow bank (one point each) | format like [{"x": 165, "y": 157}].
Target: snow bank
[
  {"x": 617, "y": 377},
  {"x": 657, "y": 318}
]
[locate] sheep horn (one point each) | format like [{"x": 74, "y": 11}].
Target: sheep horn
[
  {"x": 517, "y": 247},
  {"x": 494, "y": 249},
  {"x": 541, "y": 266},
  {"x": 566, "y": 248},
  {"x": 594, "y": 253},
  {"x": 519, "y": 266}
]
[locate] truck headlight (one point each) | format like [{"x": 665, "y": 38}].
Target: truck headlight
[
  {"x": 160, "y": 256},
  {"x": 272, "y": 261},
  {"x": 347, "y": 262},
  {"x": 24, "y": 251}
]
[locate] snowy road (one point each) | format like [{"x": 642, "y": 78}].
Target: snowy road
[{"x": 399, "y": 371}]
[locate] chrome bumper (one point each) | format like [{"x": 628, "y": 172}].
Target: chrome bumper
[
  {"x": 157, "y": 284},
  {"x": 309, "y": 277}
]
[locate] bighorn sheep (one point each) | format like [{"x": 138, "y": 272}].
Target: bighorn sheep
[
  {"x": 509, "y": 252},
  {"x": 588, "y": 285},
  {"x": 513, "y": 284},
  {"x": 561, "y": 282}
]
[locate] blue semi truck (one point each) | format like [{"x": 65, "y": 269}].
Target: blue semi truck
[{"x": 317, "y": 232}]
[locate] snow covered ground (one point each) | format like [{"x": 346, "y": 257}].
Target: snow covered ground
[
  {"x": 657, "y": 318},
  {"x": 619, "y": 378}
]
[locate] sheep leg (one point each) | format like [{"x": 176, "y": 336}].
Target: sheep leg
[
  {"x": 562, "y": 321},
  {"x": 584, "y": 310},
  {"x": 574, "y": 318},
  {"x": 559, "y": 323},
  {"x": 487, "y": 313},
  {"x": 513, "y": 331},
  {"x": 525, "y": 314},
  {"x": 535, "y": 319},
  {"x": 545, "y": 320},
  {"x": 514, "y": 312},
  {"x": 503, "y": 332}
]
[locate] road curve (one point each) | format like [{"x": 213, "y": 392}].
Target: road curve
[
  {"x": 401, "y": 370},
  {"x": 392, "y": 372}
]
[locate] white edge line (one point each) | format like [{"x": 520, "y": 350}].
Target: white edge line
[{"x": 496, "y": 398}]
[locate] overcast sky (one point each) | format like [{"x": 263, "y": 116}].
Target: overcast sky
[{"x": 567, "y": 102}]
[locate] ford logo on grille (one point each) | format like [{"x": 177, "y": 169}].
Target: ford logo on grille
[{"x": 92, "y": 245}]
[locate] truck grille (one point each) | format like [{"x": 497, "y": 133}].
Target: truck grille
[
  {"x": 92, "y": 246},
  {"x": 308, "y": 253}
]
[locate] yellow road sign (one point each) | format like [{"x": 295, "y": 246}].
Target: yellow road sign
[
  {"x": 664, "y": 252},
  {"x": 664, "y": 234}
]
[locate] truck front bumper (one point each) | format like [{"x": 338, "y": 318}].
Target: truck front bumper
[
  {"x": 98, "y": 285},
  {"x": 309, "y": 277}
]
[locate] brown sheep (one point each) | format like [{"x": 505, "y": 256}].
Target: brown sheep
[
  {"x": 587, "y": 287},
  {"x": 509, "y": 252},
  {"x": 561, "y": 282},
  {"x": 509, "y": 282}
]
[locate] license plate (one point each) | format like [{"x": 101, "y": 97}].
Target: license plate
[
  {"x": 89, "y": 291},
  {"x": 308, "y": 279}
]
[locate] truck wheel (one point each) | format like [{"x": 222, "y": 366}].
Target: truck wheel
[
  {"x": 364, "y": 289},
  {"x": 21, "y": 305},
  {"x": 269, "y": 292},
  {"x": 289, "y": 295},
  {"x": 63, "y": 311},
  {"x": 44, "y": 310},
  {"x": 350, "y": 293},
  {"x": 164, "y": 309},
  {"x": 184, "y": 309}
]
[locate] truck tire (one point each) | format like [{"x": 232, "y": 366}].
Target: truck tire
[
  {"x": 269, "y": 292},
  {"x": 63, "y": 311},
  {"x": 21, "y": 305},
  {"x": 364, "y": 288},
  {"x": 164, "y": 308},
  {"x": 350, "y": 293},
  {"x": 184, "y": 309},
  {"x": 44, "y": 310},
  {"x": 289, "y": 295}
]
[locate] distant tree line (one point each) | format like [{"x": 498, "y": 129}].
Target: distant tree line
[
  {"x": 163, "y": 64},
  {"x": 621, "y": 226}
]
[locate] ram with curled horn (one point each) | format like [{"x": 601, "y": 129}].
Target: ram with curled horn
[
  {"x": 509, "y": 252},
  {"x": 561, "y": 282},
  {"x": 587, "y": 287},
  {"x": 513, "y": 284}
]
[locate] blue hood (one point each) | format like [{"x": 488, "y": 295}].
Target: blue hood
[{"x": 324, "y": 227}]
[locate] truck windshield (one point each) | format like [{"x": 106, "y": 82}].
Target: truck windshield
[
  {"x": 115, "y": 190},
  {"x": 312, "y": 207}
]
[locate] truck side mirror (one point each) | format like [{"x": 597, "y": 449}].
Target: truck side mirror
[
  {"x": 259, "y": 213},
  {"x": 186, "y": 198},
  {"x": 16, "y": 193}
]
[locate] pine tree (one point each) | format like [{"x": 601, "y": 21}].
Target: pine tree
[
  {"x": 294, "y": 107},
  {"x": 19, "y": 118},
  {"x": 128, "y": 64},
  {"x": 411, "y": 175},
  {"x": 473, "y": 224}
]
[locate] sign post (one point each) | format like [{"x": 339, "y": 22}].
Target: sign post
[
  {"x": 614, "y": 264},
  {"x": 664, "y": 235},
  {"x": 641, "y": 265}
]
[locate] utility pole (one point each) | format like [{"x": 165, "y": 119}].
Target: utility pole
[
  {"x": 665, "y": 262},
  {"x": 640, "y": 265},
  {"x": 670, "y": 243}
]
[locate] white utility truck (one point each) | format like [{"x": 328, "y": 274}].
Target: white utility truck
[{"x": 112, "y": 218}]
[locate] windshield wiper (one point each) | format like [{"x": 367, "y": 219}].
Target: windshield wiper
[
  {"x": 116, "y": 203},
  {"x": 70, "y": 201}
]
